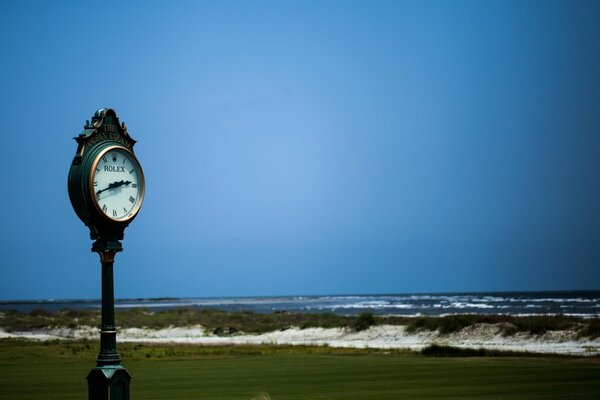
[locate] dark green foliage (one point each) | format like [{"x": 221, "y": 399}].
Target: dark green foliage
[
  {"x": 39, "y": 312},
  {"x": 540, "y": 324},
  {"x": 435, "y": 350},
  {"x": 228, "y": 323},
  {"x": 591, "y": 329},
  {"x": 363, "y": 321},
  {"x": 76, "y": 313},
  {"x": 39, "y": 318},
  {"x": 218, "y": 321},
  {"x": 445, "y": 325},
  {"x": 224, "y": 331},
  {"x": 535, "y": 325},
  {"x": 452, "y": 323}
]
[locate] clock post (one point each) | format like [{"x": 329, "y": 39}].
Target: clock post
[
  {"x": 109, "y": 380},
  {"x": 106, "y": 188}
]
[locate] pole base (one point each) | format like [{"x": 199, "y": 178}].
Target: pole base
[{"x": 108, "y": 383}]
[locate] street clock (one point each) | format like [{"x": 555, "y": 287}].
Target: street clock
[{"x": 106, "y": 188}]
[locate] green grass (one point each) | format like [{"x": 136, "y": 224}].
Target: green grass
[{"x": 57, "y": 370}]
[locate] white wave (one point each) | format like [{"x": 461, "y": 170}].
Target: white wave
[
  {"x": 419, "y": 303},
  {"x": 469, "y": 305},
  {"x": 152, "y": 305},
  {"x": 370, "y": 304},
  {"x": 557, "y": 300}
]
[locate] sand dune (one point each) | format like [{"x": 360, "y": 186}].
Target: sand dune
[{"x": 383, "y": 336}]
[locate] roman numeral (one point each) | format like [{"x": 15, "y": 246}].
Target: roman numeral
[
  {"x": 114, "y": 213},
  {"x": 104, "y": 158},
  {"x": 104, "y": 208},
  {"x": 124, "y": 209},
  {"x": 124, "y": 159},
  {"x": 95, "y": 183}
]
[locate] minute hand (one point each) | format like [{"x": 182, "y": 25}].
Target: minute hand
[{"x": 113, "y": 186}]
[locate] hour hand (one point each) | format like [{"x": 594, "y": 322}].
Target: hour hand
[
  {"x": 113, "y": 186},
  {"x": 117, "y": 184}
]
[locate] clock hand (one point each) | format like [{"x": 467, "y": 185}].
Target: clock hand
[{"x": 113, "y": 186}]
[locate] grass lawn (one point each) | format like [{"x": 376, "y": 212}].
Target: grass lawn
[{"x": 31, "y": 370}]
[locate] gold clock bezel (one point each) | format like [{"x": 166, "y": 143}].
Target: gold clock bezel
[{"x": 141, "y": 182}]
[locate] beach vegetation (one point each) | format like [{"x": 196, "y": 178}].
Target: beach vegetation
[
  {"x": 227, "y": 323},
  {"x": 217, "y": 321},
  {"x": 363, "y": 321},
  {"x": 591, "y": 329},
  {"x": 444, "y": 325},
  {"x": 540, "y": 324},
  {"x": 436, "y": 350},
  {"x": 509, "y": 325},
  {"x": 39, "y": 312}
]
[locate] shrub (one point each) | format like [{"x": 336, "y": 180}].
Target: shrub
[
  {"x": 224, "y": 331},
  {"x": 447, "y": 324},
  {"x": 591, "y": 329},
  {"x": 435, "y": 350},
  {"x": 540, "y": 324},
  {"x": 363, "y": 321},
  {"x": 39, "y": 312}
]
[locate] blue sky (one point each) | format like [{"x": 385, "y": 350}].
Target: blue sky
[{"x": 308, "y": 147}]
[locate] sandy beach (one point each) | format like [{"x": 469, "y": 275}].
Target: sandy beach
[{"x": 487, "y": 336}]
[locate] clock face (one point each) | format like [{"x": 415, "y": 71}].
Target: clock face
[{"x": 117, "y": 184}]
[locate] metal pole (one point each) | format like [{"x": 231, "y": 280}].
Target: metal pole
[
  {"x": 109, "y": 380},
  {"x": 108, "y": 334}
]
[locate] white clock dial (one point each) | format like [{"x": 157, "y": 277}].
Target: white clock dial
[{"x": 117, "y": 184}]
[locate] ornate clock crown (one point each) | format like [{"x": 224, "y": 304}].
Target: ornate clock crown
[{"x": 105, "y": 121}]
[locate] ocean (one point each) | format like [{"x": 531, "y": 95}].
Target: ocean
[{"x": 584, "y": 304}]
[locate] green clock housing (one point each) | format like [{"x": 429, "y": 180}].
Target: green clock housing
[{"x": 106, "y": 182}]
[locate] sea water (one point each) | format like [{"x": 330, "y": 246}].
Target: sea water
[{"x": 584, "y": 304}]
